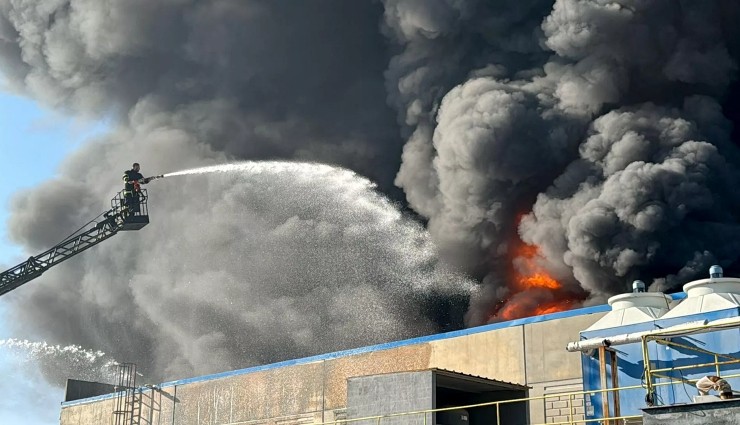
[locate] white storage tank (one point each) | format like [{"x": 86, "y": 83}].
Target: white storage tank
[
  {"x": 705, "y": 295},
  {"x": 635, "y": 307}
]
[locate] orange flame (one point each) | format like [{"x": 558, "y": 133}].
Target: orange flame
[
  {"x": 518, "y": 308},
  {"x": 550, "y": 308},
  {"x": 539, "y": 280},
  {"x": 533, "y": 290},
  {"x": 530, "y": 274},
  {"x": 509, "y": 312}
]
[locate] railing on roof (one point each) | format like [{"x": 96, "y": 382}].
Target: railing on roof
[
  {"x": 572, "y": 414},
  {"x": 653, "y": 375}
]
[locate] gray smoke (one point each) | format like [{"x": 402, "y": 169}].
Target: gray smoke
[{"x": 600, "y": 122}]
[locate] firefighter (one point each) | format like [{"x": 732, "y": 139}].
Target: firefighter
[{"x": 133, "y": 180}]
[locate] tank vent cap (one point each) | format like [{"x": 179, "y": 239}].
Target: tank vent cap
[
  {"x": 715, "y": 271},
  {"x": 638, "y": 286}
]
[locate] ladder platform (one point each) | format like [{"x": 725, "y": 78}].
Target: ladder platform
[{"x": 134, "y": 222}]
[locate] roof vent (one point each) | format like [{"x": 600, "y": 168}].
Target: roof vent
[
  {"x": 715, "y": 272},
  {"x": 638, "y": 286}
]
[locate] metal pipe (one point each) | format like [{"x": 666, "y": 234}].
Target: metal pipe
[
  {"x": 602, "y": 376},
  {"x": 630, "y": 338},
  {"x": 615, "y": 381},
  {"x": 648, "y": 375}
]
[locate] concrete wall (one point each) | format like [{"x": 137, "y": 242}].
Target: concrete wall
[
  {"x": 551, "y": 369},
  {"x": 532, "y": 354},
  {"x": 547, "y": 359},
  {"x": 400, "y": 359},
  {"x": 312, "y": 392},
  {"x": 497, "y": 354},
  {"x": 93, "y": 413},
  {"x": 391, "y": 393}
]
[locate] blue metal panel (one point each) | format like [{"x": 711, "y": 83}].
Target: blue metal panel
[
  {"x": 630, "y": 368},
  {"x": 725, "y": 342},
  {"x": 631, "y": 364}
]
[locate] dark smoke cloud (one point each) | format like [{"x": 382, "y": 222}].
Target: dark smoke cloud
[
  {"x": 599, "y": 122},
  {"x": 484, "y": 151},
  {"x": 647, "y": 192}
]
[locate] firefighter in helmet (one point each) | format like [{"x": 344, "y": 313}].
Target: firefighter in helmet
[{"x": 133, "y": 180}]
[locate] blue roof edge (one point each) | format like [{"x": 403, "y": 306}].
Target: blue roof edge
[{"x": 370, "y": 348}]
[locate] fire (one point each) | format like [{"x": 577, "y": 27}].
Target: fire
[
  {"x": 550, "y": 308},
  {"x": 539, "y": 280},
  {"x": 525, "y": 304},
  {"x": 529, "y": 274},
  {"x": 533, "y": 291},
  {"x": 508, "y": 312}
]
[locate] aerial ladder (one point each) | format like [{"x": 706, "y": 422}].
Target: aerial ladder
[{"x": 126, "y": 214}]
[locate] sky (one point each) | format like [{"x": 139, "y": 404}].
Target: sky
[{"x": 33, "y": 142}]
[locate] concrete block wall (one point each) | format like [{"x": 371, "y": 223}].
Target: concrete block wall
[
  {"x": 391, "y": 393},
  {"x": 564, "y": 408}
]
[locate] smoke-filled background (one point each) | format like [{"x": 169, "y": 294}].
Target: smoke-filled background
[{"x": 550, "y": 151}]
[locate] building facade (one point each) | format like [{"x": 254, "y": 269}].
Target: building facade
[{"x": 524, "y": 357}]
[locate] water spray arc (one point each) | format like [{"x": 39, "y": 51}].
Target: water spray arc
[
  {"x": 73, "y": 359},
  {"x": 329, "y": 239}
]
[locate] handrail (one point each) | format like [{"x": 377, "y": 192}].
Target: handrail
[
  {"x": 650, "y": 373},
  {"x": 494, "y": 403},
  {"x": 661, "y": 337}
]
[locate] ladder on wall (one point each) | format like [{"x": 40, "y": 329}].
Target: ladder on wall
[{"x": 127, "y": 405}]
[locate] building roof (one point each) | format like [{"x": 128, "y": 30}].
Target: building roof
[{"x": 377, "y": 347}]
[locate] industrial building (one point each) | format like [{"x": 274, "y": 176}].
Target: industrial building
[{"x": 631, "y": 361}]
